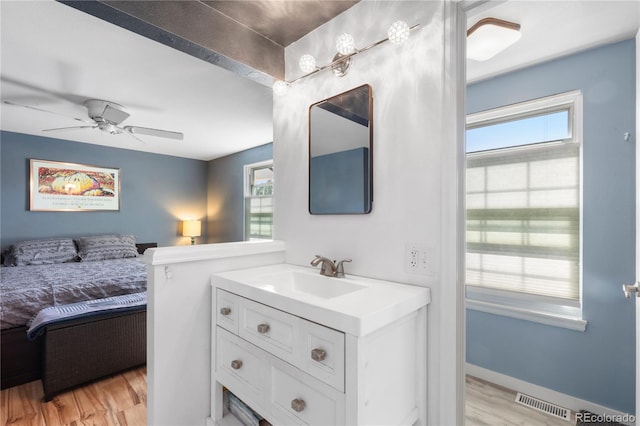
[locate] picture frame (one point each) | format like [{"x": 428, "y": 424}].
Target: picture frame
[{"x": 64, "y": 187}]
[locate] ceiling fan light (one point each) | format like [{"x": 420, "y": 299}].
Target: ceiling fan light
[
  {"x": 398, "y": 32},
  {"x": 307, "y": 63},
  {"x": 280, "y": 88},
  {"x": 111, "y": 128},
  {"x": 345, "y": 44},
  {"x": 490, "y": 36},
  {"x": 111, "y": 112},
  {"x": 114, "y": 115}
]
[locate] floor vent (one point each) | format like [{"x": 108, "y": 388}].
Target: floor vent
[{"x": 543, "y": 406}]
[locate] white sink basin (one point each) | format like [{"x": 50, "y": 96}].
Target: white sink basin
[
  {"x": 354, "y": 305},
  {"x": 313, "y": 284}
]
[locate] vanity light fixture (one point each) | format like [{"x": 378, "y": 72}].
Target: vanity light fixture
[
  {"x": 307, "y": 63},
  {"x": 398, "y": 33},
  {"x": 280, "y": 88},
  {"x": 345, "y": 44},
  {"x": 490, "y": 36}
]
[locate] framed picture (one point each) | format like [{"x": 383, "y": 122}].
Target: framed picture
[{"x": 56, "y": 186}]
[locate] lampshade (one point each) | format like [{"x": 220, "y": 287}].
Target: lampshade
[
  {"x": 191, "y": 228},
  {"x": 490, "y": 36}
]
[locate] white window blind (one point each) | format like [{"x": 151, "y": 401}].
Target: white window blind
[
  {"x": 523, "y": 213},
  {"x": 260, "y": 215},
  {"x": 524, "y": 210},
  {"x": 259, "y": 201}
]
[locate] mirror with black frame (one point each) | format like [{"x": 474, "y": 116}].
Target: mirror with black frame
[{"x": 340, "y": 153}]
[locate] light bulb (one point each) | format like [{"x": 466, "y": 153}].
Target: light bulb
[
  {"x": 345, "y": 44},
  {"x": 307, "y": 63},
  {"x": 280, "y": 88},
  {"x": 398, "y": 32}
]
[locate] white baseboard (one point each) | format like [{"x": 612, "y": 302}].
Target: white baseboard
[{"x": 549, "y": 395}]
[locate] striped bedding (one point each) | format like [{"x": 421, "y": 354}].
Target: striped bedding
[
  {"x": 56, "y": 314},
  {"x": 25, "y": 290}
]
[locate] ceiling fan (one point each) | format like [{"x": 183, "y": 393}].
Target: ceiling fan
[{"x": 107, "y": 116}]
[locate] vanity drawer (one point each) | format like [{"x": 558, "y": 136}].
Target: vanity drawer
[
  {"x": 323, "y": 354},
  {"x": 242, "y": 365},
  {"x": 273, "y": 330},
  {"x": 227, "y": 310},
  {"x": 298, "y": 399}
]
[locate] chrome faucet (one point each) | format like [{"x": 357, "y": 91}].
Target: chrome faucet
[
  {"x": 328, "y": 267},
  {"x": 340, "y": 268}
]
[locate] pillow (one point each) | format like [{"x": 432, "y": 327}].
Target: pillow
[
  {"x": 105, "y": 247},
  {"x": 7, "y": 257},
  {"x": 42, "y": 252}
]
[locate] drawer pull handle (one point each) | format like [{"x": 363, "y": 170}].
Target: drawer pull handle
[
  {"x": 297, "y": 405},
  {"x": 263, "y": 328},
  {"x": 236, "y": 364},
  {"x": 318, "y": 354},
  {"x": 225, "y": 311}
]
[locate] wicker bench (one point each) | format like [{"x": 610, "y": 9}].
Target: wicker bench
[{"x": 87, "y": 349}]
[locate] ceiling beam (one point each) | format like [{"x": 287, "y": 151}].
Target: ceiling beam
[{"x": 196, "y": 29}]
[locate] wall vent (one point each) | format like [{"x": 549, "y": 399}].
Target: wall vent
[{"x": 543, "y": 406}]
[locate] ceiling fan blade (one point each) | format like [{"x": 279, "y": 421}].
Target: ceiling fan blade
[
  {"x": 154, "y": 132},
  {"x": 135, "y": 137},
  {"x": 70, "y": 128},
  {"x": 45, "y": 110}
]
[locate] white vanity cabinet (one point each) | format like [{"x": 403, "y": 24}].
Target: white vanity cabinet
[{"x": 280, "y": 357}]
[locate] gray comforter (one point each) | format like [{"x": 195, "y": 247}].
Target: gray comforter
[{"x": 25, "y": 290}]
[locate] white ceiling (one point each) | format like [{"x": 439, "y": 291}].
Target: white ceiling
[
  {"x": 551, "y": 29},
  {"x": 54, "y": 57}
]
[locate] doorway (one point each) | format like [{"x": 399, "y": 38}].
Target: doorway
[{"x": 590, "y": 368}]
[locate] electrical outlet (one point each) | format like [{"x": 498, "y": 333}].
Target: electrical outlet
[
  {"x": 419, "y": 259},
  {"x": 412, "y": 259}
]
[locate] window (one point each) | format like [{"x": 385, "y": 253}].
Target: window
[
  {"x": 258, "y": 202},
  {"x": 524, "y": 211}
]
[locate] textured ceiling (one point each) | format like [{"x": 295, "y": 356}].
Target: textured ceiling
[
  {"x": 246, "y": 37},
  {"x": 281, "y": 21}
]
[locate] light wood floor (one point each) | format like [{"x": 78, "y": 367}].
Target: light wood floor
[
  {"x": 119, "y": 400},
  {"x": 122, "y": 400},
  {"x": 491, "y": 405}
]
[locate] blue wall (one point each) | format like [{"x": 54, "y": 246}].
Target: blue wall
[
  {"x": 225, "y": 195},
  {"x": 597, "y": 365},
  {"x": 157, "y": 191},
  {"x": 339, "y": 182}
]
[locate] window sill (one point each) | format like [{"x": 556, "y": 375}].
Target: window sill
[{"x": 555, "y": 320}]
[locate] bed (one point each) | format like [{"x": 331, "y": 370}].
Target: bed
[{"x": 39, "y": 274}]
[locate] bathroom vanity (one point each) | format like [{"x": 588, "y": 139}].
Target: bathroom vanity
[{"x": 304, "y": 349}]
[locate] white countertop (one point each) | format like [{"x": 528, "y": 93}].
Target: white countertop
[
  {"x": 180, "y": 254},
  {"x": 357, "y": 313}
]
